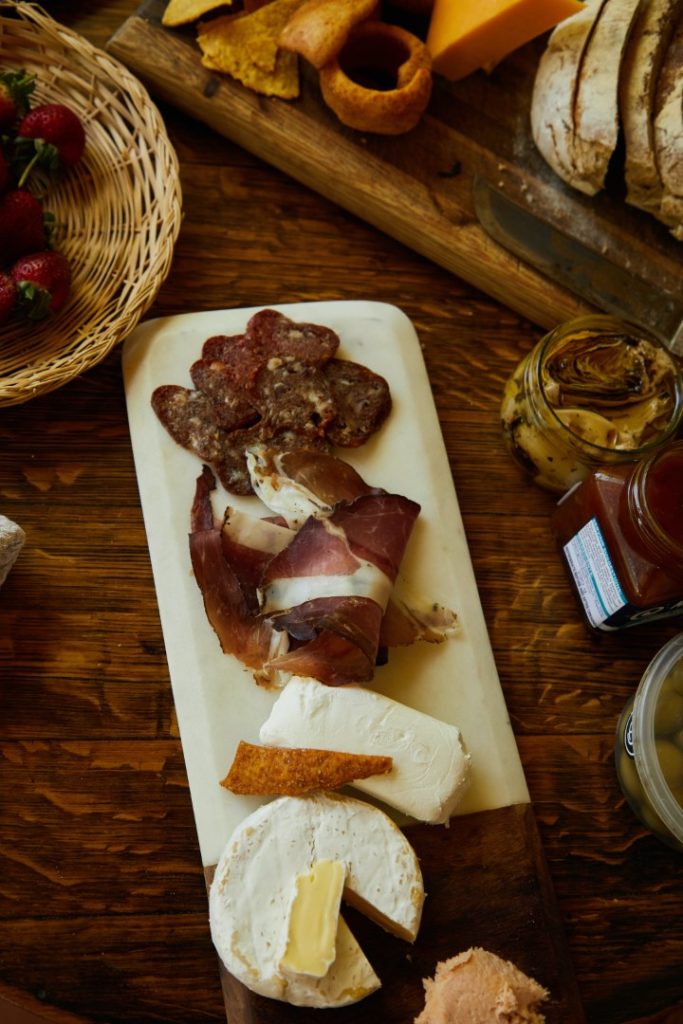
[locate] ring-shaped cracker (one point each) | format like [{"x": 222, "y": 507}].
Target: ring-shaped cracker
[{"x": 378, "y": 50}]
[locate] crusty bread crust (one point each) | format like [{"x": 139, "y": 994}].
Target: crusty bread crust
[
  {"x": 555, "y": 89},
  {"x": 641, "y": 66},
  {"x": 668, "y": 133},
  {"x": 596, "y": 112}
]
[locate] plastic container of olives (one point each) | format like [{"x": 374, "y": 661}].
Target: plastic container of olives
[{"x": 649, "y": 746}]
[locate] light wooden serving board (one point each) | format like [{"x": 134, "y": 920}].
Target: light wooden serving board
[
  {"x": 415, "y": 187},
  {"x": 486, "y": 879}
]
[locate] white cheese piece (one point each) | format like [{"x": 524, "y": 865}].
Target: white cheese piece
[
  {"x": 313, "y": 917},
  {"x": 12, "y": 539},
  {"x": 430, "y": 771},
  {"x": 251, "y": 893}
]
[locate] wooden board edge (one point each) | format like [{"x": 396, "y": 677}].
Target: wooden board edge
[{"x": 265, "y": 129}]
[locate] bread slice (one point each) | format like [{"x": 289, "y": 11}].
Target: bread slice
[
  {"x": 555, "y": 90},
  {"x": 668, "y": 133},
  {"x": 596, "y": 110},
  {"x": 643, "y": 60}
]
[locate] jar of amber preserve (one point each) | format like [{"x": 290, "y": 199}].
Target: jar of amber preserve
[
  {"x": 649, "y": 746},
  {"x": 621, "y": 532},
  {"x": 595, "y": 391}
]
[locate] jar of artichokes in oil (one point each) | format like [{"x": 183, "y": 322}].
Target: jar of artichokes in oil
[{"x": 594, "y": 391}]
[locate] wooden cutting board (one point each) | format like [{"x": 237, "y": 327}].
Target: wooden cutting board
[
  {"x": 416, "y": 187},
  {"x": 486, "y": 879}
]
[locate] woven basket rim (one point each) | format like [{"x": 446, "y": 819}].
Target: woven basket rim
[{"x": 118, "y": 212}]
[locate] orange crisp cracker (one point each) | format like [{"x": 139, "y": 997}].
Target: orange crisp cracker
[{"x": 282, "y": 771}]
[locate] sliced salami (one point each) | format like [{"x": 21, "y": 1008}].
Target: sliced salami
[
  {"x": 280, "y": 383},
  {"x": 293, "y": 396},
  {"x": 230, "y": 408},
  {"x": 188, "y": 417},
  {"x": 278, "y": 336},
  {"x": 362, "y": 400}
]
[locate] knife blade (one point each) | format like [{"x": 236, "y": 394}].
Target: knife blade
[{"x": 588, "y": 274}]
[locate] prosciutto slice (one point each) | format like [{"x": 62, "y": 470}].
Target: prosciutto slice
[
  {"x": 311, "y": 590},
  {"x": 330, "y": 587},
  {"x": 228, "y": 604}
]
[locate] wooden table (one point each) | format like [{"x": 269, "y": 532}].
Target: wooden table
[{"x": 103, "y": 913}]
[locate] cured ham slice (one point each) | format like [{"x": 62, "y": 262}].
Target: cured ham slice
[
  {"x": 298, "y": 484},
  {"x": 316, "y": 600},
  {"x": 240, "y": 631},
  {"x": 334, "y": 582}
]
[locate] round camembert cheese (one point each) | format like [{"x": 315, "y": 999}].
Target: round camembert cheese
[{"x": 255, "y": 885}]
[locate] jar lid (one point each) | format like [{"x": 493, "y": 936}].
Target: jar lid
[{"x": 660, "y": 694}]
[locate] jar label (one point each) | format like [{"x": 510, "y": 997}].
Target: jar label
[
  {"x": 628, "y": 736},
  {"x": 604, "y": 601}
]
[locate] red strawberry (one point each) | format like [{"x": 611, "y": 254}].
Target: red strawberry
[
  {"x": 43, "y": 282},
  {"x": 8, "y": 297},
  {"x": 15, "y": 89},
  {"x": 4, "y": 172},
  {"x": 51, "y": 135},
  {"x": 22, "y": 225}
]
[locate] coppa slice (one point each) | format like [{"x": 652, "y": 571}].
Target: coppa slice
[
  {"x": 253, "y": 888},
  {"x": 430, "y": 771}
]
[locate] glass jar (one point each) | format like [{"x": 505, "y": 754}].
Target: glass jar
[
  {"x": 649, "y": 746},
  {"x": 621, "y": 533},
  {"x": 595, "y": 391}
]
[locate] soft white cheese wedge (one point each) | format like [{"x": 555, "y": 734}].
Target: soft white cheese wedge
[
  {"x": 253, "y": 888},
  {"x": 431, "y": 769}
]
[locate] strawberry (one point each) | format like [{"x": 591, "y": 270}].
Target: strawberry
[
  {"x": 22, "y": 225},
  {"x": 8, "y": 297},
  {"x": 43, "y": 282},
  {"x": 15, "y": 89},
  {"x": 5, "y": 175},
  {"x": 51, "y": 135}
]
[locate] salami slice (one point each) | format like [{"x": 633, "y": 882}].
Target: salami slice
[
  {"x": 242, "y": 357},
  {"x": 362, "y": 400},
  {"x": 229, "y": 405},
  {"x": 188, "y": 417},
  {"x": 293, "y": 396},
  {"x": 278, "y": 336}
]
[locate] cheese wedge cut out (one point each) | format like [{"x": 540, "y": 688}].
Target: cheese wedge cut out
[
  {"x": 431, "y": 770},
  {"x": 464, "y": 36},
  {"x": 313, "y": 917},
  {"x": 254, "y": 885}
]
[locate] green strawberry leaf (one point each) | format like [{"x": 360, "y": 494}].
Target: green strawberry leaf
[{"x": 32, "y": 300}]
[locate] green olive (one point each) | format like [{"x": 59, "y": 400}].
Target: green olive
[
  {"x": 669, "y": 710},
  {"x": 671, "y": 762},
  {"x": 629, "y": 778},
  {"x": 675, "y": 677}
]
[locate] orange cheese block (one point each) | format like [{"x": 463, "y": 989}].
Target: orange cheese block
[{"x": 465, "y": 35}]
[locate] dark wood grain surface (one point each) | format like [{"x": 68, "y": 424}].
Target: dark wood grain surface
[{"x": 103, "y": 913}]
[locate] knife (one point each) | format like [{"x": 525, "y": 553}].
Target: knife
[{"x": 586, "y": 273}]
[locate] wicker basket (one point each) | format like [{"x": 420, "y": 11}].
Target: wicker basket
[{"x": 117, "y": 212}]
